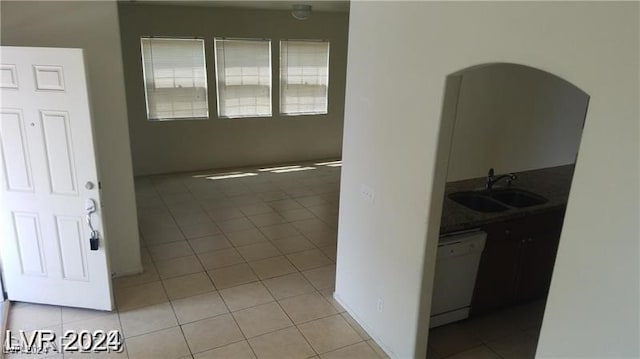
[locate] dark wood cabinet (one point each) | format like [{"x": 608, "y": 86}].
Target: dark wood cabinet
[
  {"x": 496, "y": 275},
  {"x": 517, "y": 261},
  {"x": 538, "y": 254}
]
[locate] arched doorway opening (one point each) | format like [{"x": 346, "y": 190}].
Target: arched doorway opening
[{"x": 517, "y": 120}]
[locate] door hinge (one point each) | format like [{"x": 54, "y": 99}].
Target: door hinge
[{"x": 99, "y": 185}]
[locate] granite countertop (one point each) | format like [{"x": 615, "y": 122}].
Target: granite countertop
[{"x": 553, "y": 183}]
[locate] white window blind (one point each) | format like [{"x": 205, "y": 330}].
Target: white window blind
[
  {"x": 175, "y": 78},
  {"x": 243, "y": 77},
  {"x": 304, "y": 77}
]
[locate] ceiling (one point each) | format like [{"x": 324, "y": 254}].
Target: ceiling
[{"x": 318, "y": 5}]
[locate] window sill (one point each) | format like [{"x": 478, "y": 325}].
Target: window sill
[
  {"x": 178, "y": 119},
  {"x": 304, "y": 114}
]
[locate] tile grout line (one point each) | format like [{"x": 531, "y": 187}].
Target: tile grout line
[
  {"x": 293, "y": 325},
  {"x": 226, "y": 233},
  {"x": 493, "y": 351},
  {"x": 234, "y": 246},
  {"x": 124, "y": 340},
  {"x": 175, "y": 316}
]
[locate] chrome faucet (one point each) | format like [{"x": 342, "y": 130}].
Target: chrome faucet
[{"x": 492, "y": 179}]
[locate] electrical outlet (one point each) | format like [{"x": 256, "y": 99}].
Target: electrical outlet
[
  {"x": 380, "y": 305},
  {"x": 367, "y": 193}
]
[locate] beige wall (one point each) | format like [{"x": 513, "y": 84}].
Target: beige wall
[
  {"x": 92, "y": 26},
  {"x": 171, "y": 146},
  {"x": 393, "y": 111},
  {"x": 514, "y": 118}
]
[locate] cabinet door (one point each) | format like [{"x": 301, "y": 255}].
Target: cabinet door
[
  {"x": 536, "y": 266},
  {"x": 538, "y": 255},
  {"x": 495, "y": 283}
]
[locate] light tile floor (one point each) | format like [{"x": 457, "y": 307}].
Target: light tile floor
[
  {"x": 241, "y": 264},
  {"x": 238, "y": 264}
]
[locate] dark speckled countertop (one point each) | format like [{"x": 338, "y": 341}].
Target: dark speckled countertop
[{"x": 552, "y": 183}]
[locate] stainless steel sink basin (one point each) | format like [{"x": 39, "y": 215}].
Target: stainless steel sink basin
[
  {"x": 516, "y": 197},
  {"x": 497, "y": 200},
  {"x": 477, "y": 201}
]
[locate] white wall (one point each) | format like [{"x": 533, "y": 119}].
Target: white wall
[
  {"x": 392, "y": 123},
  {"x": 514, "y": 118},
  {"x": 188, "y": 145},
  {"x": 92, "y": 26}
]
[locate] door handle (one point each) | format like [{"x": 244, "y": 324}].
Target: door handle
[
  {"x": 94, "y": 241},
  {"x": 91, "y": 209}
]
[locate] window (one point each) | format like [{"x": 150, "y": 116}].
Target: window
[
  {"x": 175, "y": 79},
  {"x": 243, "y": 77},
  {"x": 304, "y": 77}
]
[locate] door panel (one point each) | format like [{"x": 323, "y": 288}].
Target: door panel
[
  {"x": 72, "y": 249},
  {"x": 58, "y": 148},
  {"x": 49, "y": 78},
  {"x": 29, "y": 239},
  {"x": 48, "y": 154},
  {"x": 16, "y": 166},
  {"x": 8, "y": 76}
]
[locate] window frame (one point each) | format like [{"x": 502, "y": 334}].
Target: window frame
[
  {"x": 206, "y": 82},
  {"x": 217, "y": 83},
  {"x": 280, "y": 83}
]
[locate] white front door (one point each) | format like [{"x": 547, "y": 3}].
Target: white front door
[{"x": 48, "y": 176}]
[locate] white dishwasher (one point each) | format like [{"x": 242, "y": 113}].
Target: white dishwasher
[{"x": 455, "y": 277}]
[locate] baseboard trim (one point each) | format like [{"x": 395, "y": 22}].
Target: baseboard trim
[
  {"x": 364, "y": 326},
  {"x": 4, "y": 319},
  {"x": 449, "y": 317},
  {"x": 128, "y": 272}
]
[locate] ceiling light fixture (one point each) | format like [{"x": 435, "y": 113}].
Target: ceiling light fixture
[{"x": 301, "y": 11}]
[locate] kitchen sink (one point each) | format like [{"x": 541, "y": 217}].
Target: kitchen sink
[
  {"x": 477, "y": 201},
  {"x": 497, "y": 200},
  {"x": 516, "y": 197}
]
